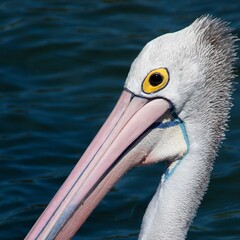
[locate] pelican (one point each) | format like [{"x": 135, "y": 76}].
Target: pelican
[{"x": 174, "y": 108}]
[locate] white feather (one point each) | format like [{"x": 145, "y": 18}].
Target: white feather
[{"x": 200, "y": 61}]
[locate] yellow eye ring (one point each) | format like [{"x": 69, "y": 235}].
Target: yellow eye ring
[{"x": 156, "y": 80}]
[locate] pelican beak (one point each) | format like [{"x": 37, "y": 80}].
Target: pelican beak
[{"x": 99, "y": 168}]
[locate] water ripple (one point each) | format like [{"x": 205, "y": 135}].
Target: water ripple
[{"x": 57, "y": 62}]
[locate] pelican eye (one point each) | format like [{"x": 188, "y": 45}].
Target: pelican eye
[{"x": 156, "y": 80}]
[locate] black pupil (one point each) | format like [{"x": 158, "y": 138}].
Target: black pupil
[{"x": 155, "y": 79}]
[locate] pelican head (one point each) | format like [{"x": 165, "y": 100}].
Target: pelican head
[{"x": 174, "y": 108}]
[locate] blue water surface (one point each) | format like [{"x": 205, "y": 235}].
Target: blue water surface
[{"x": 62, "y": 68}]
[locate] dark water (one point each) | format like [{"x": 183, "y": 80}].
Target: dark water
[{"x": 62, "y": 67}]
